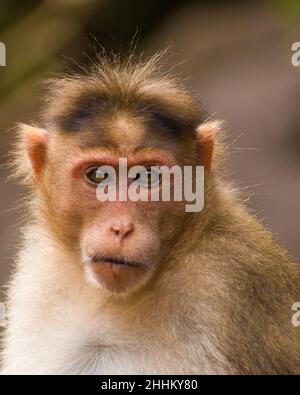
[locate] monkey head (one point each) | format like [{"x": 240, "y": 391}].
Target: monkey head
[{"x": 113, "y": 112}]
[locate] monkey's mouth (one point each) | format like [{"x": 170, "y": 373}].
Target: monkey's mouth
[{"x": 120, "y": 261}]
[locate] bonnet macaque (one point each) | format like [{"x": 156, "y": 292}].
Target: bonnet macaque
[{"x": 140, "y": 287}]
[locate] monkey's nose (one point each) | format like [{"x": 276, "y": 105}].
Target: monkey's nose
[{"x": 122, "y": 230}]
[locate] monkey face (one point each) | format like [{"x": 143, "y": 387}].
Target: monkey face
[{"x": 118, "y": 245}]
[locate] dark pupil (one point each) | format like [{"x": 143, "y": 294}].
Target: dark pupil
[{"x": 93, "y": 176}]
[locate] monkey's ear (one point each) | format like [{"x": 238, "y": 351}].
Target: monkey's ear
[
  {"x": 35, "y": 141},
  {"x": 206, "y": 137}
]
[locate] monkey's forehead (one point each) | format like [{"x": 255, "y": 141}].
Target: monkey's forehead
[{"x": 73, "y": 103}]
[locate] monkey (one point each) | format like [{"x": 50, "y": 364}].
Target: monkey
[{"x": 140, "y": 287}]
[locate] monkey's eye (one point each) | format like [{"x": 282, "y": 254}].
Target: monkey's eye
[
  {"x": 96, "y": 176},
  {"x": 150, "y": 178}
]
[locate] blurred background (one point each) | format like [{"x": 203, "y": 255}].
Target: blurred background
[{"x": 235, "y": 56}]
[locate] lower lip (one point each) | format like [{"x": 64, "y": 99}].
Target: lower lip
[
  {"x": 112, "y": 271},
  {"x": 116, "y": 277}
]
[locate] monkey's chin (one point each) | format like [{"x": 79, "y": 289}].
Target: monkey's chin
[{"x": 116, "y": 278}]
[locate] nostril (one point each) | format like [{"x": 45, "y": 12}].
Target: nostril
[
  {"x": 115, "y": 230},
  {"x": 128, "y": 231},
  {"x": 122, "y": 230}
]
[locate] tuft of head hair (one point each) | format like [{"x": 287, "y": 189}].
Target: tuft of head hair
[{"x": 118, "y": 82}]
